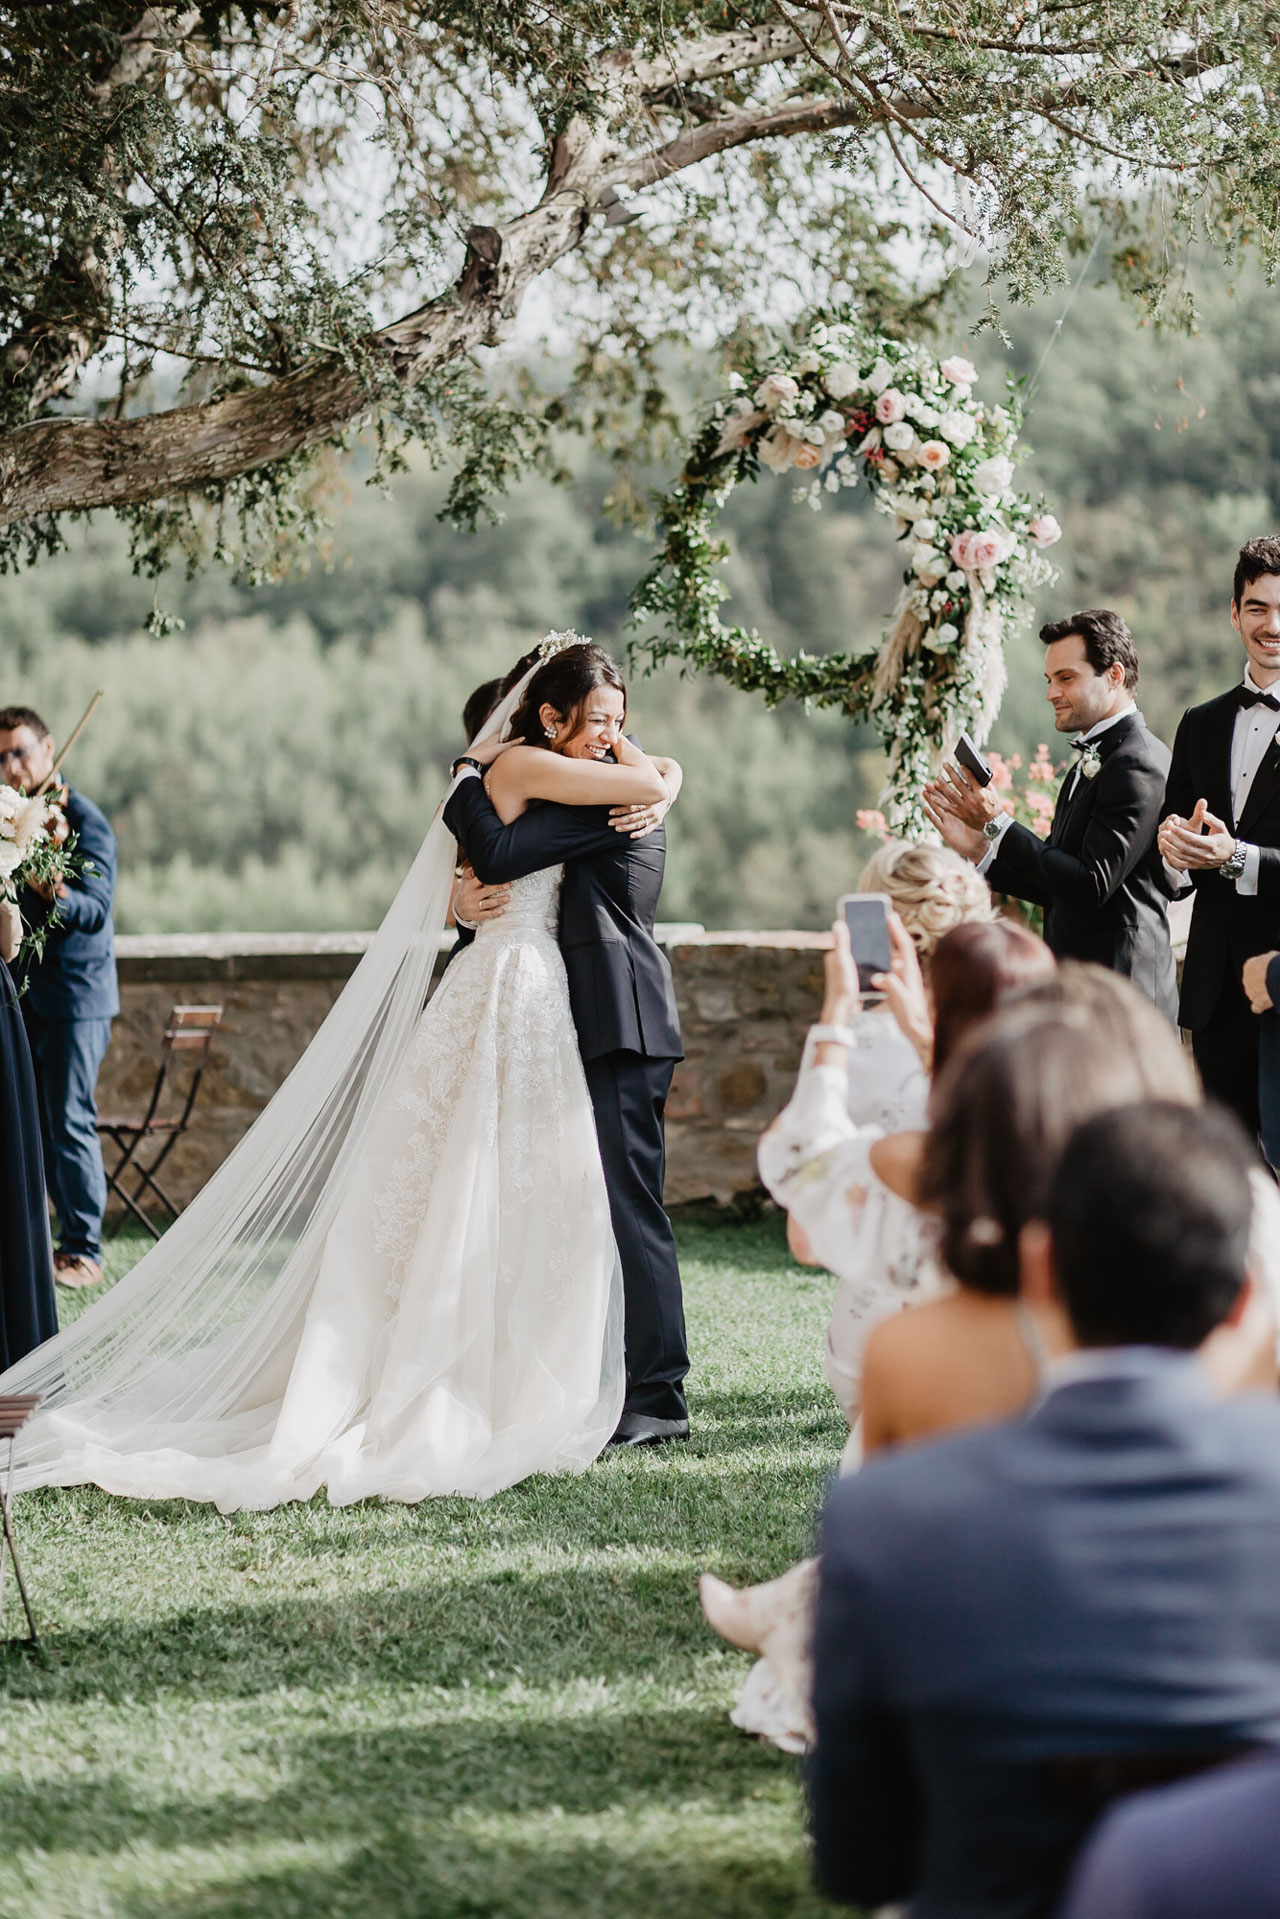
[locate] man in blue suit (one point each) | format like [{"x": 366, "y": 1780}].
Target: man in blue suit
[
  {"x": 1016, "y": 1623},
  {"x": 70, "y": 1002}
]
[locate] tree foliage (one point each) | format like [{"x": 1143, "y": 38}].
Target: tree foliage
[{"x": 233, "y": 232}]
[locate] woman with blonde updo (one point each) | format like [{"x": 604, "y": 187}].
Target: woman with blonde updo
[{"x": 931, "y": 890}]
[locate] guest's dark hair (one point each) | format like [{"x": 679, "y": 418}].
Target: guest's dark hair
[
  {"x": 1014, "y": 1091},
  {"x": 478, "y": 708},
  {"x": 565, "y": 682},
  {"x": 12, "y": 717},
  {"x": 1255, "y": 558},
  {"x": 974, "y": 967},
  {"x": 1149, "y": 1214},
  {"x": 1107, "y": 640}
]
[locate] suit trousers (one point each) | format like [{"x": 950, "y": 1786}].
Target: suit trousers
[
  {"x": 629, "y": 1095},
  {"x": 66, "y": 1054},
  {"x": 1226, "y": 1052}
]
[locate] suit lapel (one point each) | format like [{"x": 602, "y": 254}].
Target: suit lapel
[
  {"x": 1219, "y": 726},
  {"x": 1106, "y": 744},
  {"x": 1266, "y": 785}
]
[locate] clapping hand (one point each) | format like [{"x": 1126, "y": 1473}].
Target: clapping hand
[
  {"x": 1204, "y": 841},
  {"x": 958, "y": 807},
  {"x": 904, "y": 988}
]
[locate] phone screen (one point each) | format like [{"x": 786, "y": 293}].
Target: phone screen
[{"x": 867, "y": 917}]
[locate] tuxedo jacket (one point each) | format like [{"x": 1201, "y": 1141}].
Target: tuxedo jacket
[
  {"x": 76, "y": 976},
  {"x": 1098, "y": 875},
  {"x": 1227, "y": 927},
  {"x": 620, "y": 986},
  {"x": 1098, "y": 1577}
]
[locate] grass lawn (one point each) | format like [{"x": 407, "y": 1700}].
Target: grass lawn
[{"x": 509, "y": 1710}]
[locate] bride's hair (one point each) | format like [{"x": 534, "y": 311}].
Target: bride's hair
[{"x": 566, "y": 682}]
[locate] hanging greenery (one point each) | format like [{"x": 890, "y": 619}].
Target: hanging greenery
[{"x": 849, "y": 405}]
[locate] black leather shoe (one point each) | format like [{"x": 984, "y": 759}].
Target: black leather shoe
[{"x": 642, "y": 1429}]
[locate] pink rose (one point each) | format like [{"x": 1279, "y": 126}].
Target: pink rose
[
  {"x": 958, "y": 370},
  {"x": 806, "y": 455},
  {"x": 989, "y": 548},
  {"x": 962, "y": 551},
  {"x": 891, "y": 407},
  {"x": 1044, "y": 530},
  {"x": 934, "y": 455},
  {"x": 774, "y": 389}
]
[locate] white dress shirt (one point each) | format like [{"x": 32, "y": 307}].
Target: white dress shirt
[
  {"x": 1252, "y": 737},
  {"x": 1072, "y": 780}
]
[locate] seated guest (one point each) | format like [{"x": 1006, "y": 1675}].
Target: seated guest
[
  {"x": 931, "y": 890},
  {"x": 1013, "y": 1619},
  {"x": 70, "y": 1002},
  {"x": 1208, "y": 1848},
  {"x": 28, "y": 1310},
  {"x": 1262, "y": 989}
]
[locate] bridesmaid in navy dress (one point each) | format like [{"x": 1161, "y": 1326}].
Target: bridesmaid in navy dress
[{"x": 28, "y": 1312}]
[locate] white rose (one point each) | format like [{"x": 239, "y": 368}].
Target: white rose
[
  {"x": 900, "y": 436},
  {"x": 947, "y": 634},
  {"x": 1044, "y": 529},
  {"x": 926, "y": 529},
  {"x": 957, "y": 427},
  {"x": 880, "y": 376},
  {"x": 956, "y": 581},
  {"x": 958, "y": 370},
  {"x": 831, "y": 421},
  {"x": 993, "y": 476},
  {"x": 928, "y": 564},
  {"x": 841, "y": 380}
]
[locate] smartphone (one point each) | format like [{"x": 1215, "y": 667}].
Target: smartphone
[
  {"x": 972, "y": 761},
  {"x": 867, "y": 917}
]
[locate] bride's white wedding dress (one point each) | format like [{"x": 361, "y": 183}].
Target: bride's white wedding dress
[{"x": 444, "y": 1317}]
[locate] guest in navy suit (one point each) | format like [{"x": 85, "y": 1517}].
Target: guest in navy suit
[
  {"x": 1016, "y": 1623},
  {"x": 70, "y": 1001},
  {"x": 1206, "y": 1849}
]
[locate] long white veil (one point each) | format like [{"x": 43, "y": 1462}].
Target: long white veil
[{"x": 231, "y": 1278}]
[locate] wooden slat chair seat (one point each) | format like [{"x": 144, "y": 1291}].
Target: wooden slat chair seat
[{"x": 187, "y": 1039}]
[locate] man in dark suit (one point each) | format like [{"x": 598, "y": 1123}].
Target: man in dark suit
[
  {"x": 1097, "y": 876},
  {"x": 1018, "y": 1622},
  {"x": 1261, "y": 981},
  {"x": 1221, "y": 835},
  {"x": 70, "y": 1002},
  {"x": 624, "y": 1009},
  {"x": 1206, "y": 1849}
]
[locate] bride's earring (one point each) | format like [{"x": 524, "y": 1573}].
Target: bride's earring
[{"x": 550, "y": 732}]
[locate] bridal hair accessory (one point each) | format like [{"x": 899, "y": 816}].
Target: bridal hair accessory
[{"x": 557, "y": 642}]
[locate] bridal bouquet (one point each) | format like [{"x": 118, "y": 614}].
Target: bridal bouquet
[{"x": 30, "y": 855}]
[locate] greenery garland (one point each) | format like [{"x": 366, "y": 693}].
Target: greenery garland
[{"x": 850, "y": 404}]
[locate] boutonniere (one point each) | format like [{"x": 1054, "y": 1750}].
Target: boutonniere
[{"x": 1090, "y": 762}]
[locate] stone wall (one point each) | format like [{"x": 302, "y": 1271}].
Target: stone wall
[{"x": 745, "y": 1001}]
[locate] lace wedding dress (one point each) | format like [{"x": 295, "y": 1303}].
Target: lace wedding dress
[{"x": 402, "y": 1283}]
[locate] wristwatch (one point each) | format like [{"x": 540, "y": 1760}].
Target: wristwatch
[
  {"x": 465, "y": 759},
  {"x": 993, "y": 828},
  {"x": 1232, "y": 869}
]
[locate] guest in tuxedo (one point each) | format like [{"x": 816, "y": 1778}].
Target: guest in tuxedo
[
  {"x": 1017, "y": 1622},
  {"x": 1097, "y": 876},
  {"x": 28, "y": 1309},
  {"x": 624, "y": 1009},
  {"x": 70, "y": 1002},
  {"x": 1261, "y": 980},
  {"x": 1206, "y": 1847},
  {"x": 1221, "y": 836}
]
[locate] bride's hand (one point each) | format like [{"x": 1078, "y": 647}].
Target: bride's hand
[{"x": 905, "y": 992}]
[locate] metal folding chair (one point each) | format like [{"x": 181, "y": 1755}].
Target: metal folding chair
[
  {"x": 15, "y": 1410},
  {"x": 189, "y": 1033}
]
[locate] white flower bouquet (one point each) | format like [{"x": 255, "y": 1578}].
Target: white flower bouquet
[{"x": 34, "y": 853}]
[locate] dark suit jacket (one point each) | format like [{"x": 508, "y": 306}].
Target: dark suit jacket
[
  {"x": 76, "y": 977},
  {"x": 620, "y": 985},
  {"x": 1269, "y": 1070},
  {"x": 1227, "y": 928},
  {"x": 1206, "y": 1849},
  {"x": 1099, "y": 1576},
  {"x": 1097, "y": 875}
]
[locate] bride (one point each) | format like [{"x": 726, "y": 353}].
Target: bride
[{"x": 403, "y": 1282}]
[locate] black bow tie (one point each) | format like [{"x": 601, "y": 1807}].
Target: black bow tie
[
  {"x": 1247, "y": 696},
  {"x": 1082, "y": 745}
]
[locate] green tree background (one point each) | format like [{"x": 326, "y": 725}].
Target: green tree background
[{"x": 274, "y": 764}]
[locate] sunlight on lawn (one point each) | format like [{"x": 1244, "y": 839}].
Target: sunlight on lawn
[{"x": 510, "y": 1708}]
